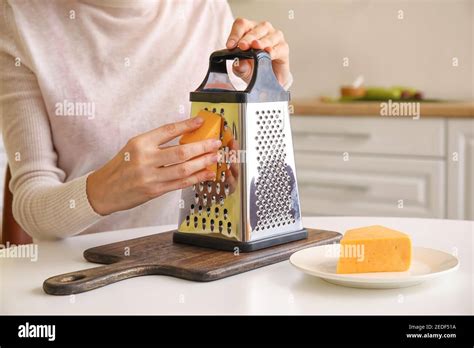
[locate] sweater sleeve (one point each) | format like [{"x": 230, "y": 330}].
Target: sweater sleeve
[{"x": 45, "y": 204}]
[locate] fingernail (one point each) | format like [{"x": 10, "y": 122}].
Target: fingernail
[
  {"x": 231, "y": 43},
  {"x": 213, "y": 158},
  {"x": 198, "y": 120},
  {"x": 216, "y": 143},
  {"x": 211, "y": 175}
]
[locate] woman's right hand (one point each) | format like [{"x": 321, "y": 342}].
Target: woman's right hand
[{"x": 143, "y": 170}]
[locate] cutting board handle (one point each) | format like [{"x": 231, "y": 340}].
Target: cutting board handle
[{"x": 93, "y": 278}]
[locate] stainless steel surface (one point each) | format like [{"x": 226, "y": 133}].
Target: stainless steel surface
[
  {"x": 272, "y": 205},
  {"x": 214, "y": 207},
  {"x": 255, "y": 194}
]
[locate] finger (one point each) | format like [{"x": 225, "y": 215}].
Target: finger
[
  {"x": 182, "y": 153},
  {"x": 279, "y": 53},
  {"x": 259, "y": 31},
  {"x": 234, "y": 169},
  {"x": 203, "y": 175},
  {"x": 185, "y": 169},
  {"x": 170, "y": 131},
  {"x": 272, "y": 39},
  {"x": 239, "y": 28},
  {"x": 233, "y": 144}
]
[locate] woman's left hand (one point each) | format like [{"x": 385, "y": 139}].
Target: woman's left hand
[{"x": 247, "y": 34}]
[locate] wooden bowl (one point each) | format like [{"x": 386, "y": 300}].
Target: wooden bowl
[{"x": 353, "y": 92}]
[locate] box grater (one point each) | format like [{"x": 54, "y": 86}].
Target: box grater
[{"x": 254, "y": 201}]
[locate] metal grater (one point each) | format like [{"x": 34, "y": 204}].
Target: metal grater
[{"x": 254, "y": 201}]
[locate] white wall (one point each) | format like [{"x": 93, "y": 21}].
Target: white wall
[{"x": 415, "y": 51}]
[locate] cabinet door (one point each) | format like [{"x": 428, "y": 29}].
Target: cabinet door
[
  {"x": 460, "y": 160},
  {"x": 330, "y": 184},
  {"x": 370, "y": 135}
]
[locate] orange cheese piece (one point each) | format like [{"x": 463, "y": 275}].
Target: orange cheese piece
[
  {"x": 227, "y": 137},
  {"x": 374, "y": 249},
  {"x": 210, "y": 129}
]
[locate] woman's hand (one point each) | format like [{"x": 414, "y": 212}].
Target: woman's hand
[
  {"x": 142, "y": 170},
  {"x": 247, "y": 34}
]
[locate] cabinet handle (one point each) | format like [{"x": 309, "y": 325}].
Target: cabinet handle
[
  {"x": 344, "y": 187},
  {"x": 335, "y": 135}
]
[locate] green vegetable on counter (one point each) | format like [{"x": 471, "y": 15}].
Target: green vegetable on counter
[{"x": 381, "y": 93}]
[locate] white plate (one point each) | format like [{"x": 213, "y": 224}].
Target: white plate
[{"x": 426, "y": 264}]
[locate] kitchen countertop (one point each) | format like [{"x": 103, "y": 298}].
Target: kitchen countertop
[
  {"x": 314, "y": 107},
  {"x": 275, "y": 289}
]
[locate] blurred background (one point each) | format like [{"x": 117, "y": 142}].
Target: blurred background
[{"x": 415, "y": 46}]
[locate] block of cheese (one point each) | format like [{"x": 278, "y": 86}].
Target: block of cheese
[
  {"x": 227, "y": 137},
  {"x": 210, "y": 129},
  {"x": 374, "y": 249}
]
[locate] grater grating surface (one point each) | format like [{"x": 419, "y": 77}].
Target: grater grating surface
[
  {"x": 273, "y": 202},
  {"x": 211, "y": 207},
  {"x": 273, "y": 186}
]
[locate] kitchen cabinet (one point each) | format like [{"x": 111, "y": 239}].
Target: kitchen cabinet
[
  {"x": 460, "y": 163},
  {"x": 376, "y": 166},
  {"x": 365, "y": 185},
  {"x": 370, "y": 135}
]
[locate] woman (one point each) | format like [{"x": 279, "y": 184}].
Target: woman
[{"x": 92, "y": 95}]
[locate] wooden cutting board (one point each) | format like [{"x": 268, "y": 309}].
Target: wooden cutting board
[{"x": 157, "y": 254}]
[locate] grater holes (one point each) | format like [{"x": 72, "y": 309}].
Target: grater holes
[
  {"x": 203, "y": 214},
  {"x": 273, "y": 189}
]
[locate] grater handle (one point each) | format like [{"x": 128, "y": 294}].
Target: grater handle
[
  {"x": 218, "y": 58},
  {"x": 263, "y": 85}
]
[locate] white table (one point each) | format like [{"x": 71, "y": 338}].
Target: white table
[{"x": 276, "y": 289}]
